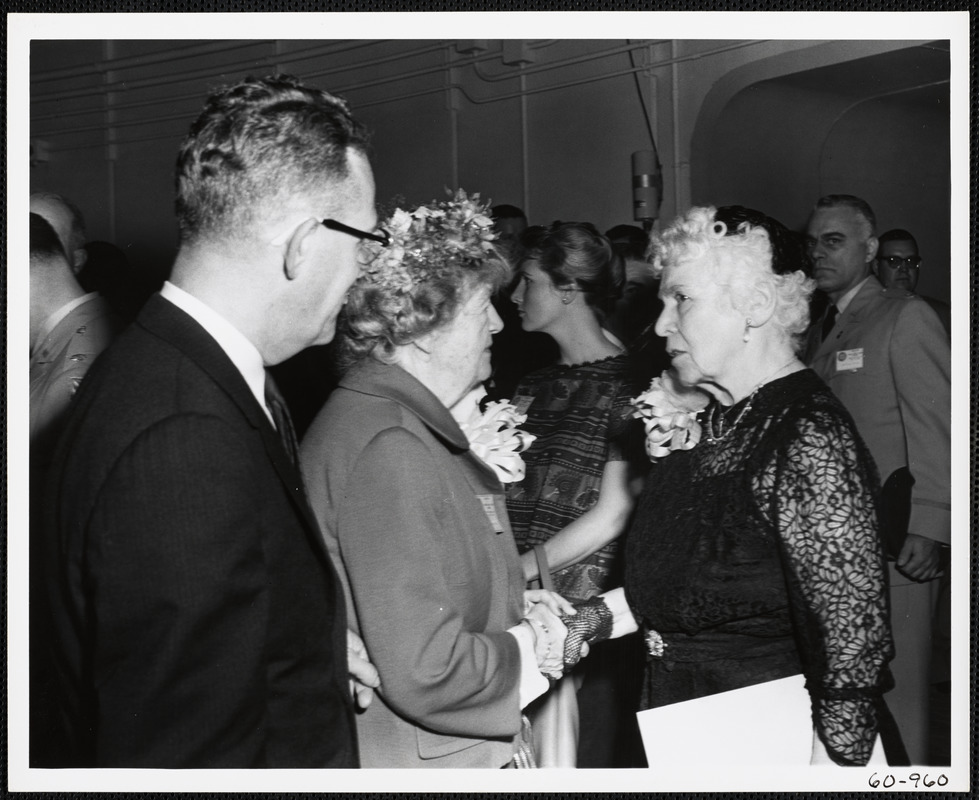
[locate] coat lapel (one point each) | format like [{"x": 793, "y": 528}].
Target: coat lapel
[
  {"x": 850, "y": 318},
  {"x": 394, "y": 383},
  {"x": 163, "y": 319}
]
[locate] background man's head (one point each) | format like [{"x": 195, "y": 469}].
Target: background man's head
[
  {"x": 629, "y": 241},
  {"x": 45, "y": 246},
  {"x": 51, "y": 278},
  {"x": 68, "y": 223},
  {"x": 509, "y": 222},
  {"x": 638, "y": 305},
  {"x": 841, "y": 243},
  {"x": 898, "y": 260}
]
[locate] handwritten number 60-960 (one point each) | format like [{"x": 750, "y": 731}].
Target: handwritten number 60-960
[{"x": 916, "y": 778}]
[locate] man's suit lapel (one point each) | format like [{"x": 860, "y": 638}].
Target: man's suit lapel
[
  {"x": 163, "y": 319},
  {"x": 850, "y": 319}
]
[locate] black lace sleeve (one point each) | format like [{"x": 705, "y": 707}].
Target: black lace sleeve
[{"x": 819, "y": 491}]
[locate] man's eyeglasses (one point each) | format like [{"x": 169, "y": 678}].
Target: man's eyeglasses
[
  {"x": 896, "y": 262},
  {"x": 380, "y": 235}
]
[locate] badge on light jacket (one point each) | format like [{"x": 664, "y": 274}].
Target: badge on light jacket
[{"x": 849, "y": 360}]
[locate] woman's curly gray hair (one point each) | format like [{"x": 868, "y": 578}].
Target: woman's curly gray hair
[
  {"x": 376, "y": 320},
  {"x": 744, "y": 249}
]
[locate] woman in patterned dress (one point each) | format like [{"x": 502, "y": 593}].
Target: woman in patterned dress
[{"x": 575, "y": 499}]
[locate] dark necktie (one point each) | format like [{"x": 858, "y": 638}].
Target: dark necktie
[
  {"x": 280, "y": 413},
  {"x": 829, "y": 320}
]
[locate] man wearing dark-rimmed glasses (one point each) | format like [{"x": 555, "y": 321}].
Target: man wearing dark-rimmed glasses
[
  {"x": 198, "y": 620},
  {"x": 898, "y": 266}
]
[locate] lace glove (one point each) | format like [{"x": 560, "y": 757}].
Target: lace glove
[{"x": 592, "y": 623}]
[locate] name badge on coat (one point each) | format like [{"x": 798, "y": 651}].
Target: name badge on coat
[
  {"x": 489, "y": 506},
  {"x": 848, "y": 360}
]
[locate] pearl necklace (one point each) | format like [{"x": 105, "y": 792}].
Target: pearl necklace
[{"x": 712, "y": 434}]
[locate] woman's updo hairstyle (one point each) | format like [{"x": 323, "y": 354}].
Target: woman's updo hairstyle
[
  {"x": 744, "y": 248},
  {"x": 575, "y": 254},
  {"x": 788, "y": 250},
  {"x": 437, "y": 256}
]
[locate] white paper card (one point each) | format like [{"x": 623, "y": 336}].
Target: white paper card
[{"x": 769, "y": 723}]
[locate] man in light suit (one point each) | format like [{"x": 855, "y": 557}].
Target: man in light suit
[
  {"x": 69, "y": 328},
  {"x": 884, "y": 353},
  {"x": 199, "y": 621}
]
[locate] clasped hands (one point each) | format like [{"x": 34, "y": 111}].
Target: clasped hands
[
  {"x": 562, "y": 635},
  {"x": 543, "y": 612},
  {"x": 563, "y": 632}
]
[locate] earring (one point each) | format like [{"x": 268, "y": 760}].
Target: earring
[
  {"x": 747, "y": 330},
  {"x": 567, "y": 297}
]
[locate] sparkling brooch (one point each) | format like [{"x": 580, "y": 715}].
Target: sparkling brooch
[{"x": 655, "y": 644}]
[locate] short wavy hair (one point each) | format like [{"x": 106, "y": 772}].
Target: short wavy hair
[
  {"x": 744, "y": 249},
  {"x": 898, "y": 235},
  {"x": 376, "y": 321},
  {"x": 254, "y": 142},
  {"x": 418, "y": 283},
  {"x": 577, "y": 253},
  {"x": 860, "y": 206}
]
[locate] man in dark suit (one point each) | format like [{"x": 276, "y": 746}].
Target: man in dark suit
[
  {"x": 199, "y": 621},
  {"x": 884, "y": 353}
]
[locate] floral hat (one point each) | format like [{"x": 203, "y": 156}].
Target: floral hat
[{"x": 430, "y": 242}]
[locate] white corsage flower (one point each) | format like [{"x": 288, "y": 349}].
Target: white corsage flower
[
  {"x": 493, "y": 434},
  {"x": 669, "y": 414}
]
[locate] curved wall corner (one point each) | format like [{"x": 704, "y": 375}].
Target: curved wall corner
[{"x": 781, "y": 132}]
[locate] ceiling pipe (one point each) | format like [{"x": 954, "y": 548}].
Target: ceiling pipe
[
  {"x": 674, "y": 60},
  {"x": 175, "y": 54},
  {"x": 566, "y": 62},
  {"x": 179, "y": 53},
  {"x": 204, "y": 72},
  {"x": 175, "y": 77}
]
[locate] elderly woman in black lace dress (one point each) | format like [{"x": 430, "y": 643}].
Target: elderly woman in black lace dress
[{"x": 754, "y": 558}]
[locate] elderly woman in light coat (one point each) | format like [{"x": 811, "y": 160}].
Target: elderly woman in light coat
[{"x": 415, "y": 518}]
